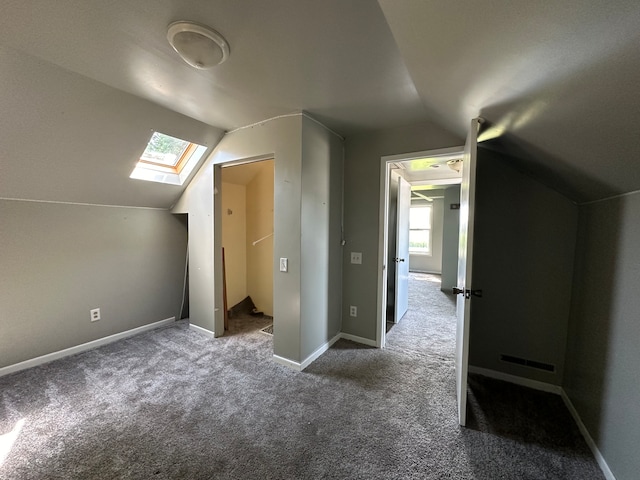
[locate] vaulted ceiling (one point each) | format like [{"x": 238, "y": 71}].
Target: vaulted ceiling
[{"x": 556, "y": 81}]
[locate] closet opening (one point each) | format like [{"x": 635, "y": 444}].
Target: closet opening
[{"x": 247, "y": 207}]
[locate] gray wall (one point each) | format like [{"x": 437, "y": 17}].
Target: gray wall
[
  {"x": 523, "y": 261},
  {"x": 197, "y": 202},
  {"x": 321, "y": 252},
  {"x": 450, "y": 234},
  {"x": 59, "y": 261},
  {"x": 603, "y": 355},
  {"x": 305, "y": 240},
  {"x": 361, "y": 212}
]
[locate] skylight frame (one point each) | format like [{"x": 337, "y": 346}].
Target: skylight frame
[
  {"x": 181, "y": 160},
  {"x": 149, "y": 170}
]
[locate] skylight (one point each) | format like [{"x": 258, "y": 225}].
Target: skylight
[
  {"x": 164, "y": 150},
  {"x": 167, "y": 159}
]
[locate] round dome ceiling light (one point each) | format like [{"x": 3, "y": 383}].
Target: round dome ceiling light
[{"x": 198, "y": 45}]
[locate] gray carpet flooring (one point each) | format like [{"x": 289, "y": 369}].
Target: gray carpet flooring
[{"x": 172, "y": 403}]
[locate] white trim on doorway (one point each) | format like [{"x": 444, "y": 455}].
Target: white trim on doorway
[{"x": 383, "y": 227}]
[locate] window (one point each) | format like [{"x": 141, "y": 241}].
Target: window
[
  {"x": 167, "y": 159},
  {"x": 165, "y": 151},
  {"x": 420, "y": 221}
]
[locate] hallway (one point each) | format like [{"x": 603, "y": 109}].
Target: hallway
[{"x": 429, "y": 326}]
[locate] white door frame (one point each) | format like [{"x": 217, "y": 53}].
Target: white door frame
[{"x": 383, "y": 227}]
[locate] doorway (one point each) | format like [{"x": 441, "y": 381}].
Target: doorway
[
  {"x": 431, "y": 252},
  {"x": 427, "y": 177},
  {"x": 247, "y": 207}
]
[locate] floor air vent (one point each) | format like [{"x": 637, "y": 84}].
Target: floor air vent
[{"x": 547, "y": 367}]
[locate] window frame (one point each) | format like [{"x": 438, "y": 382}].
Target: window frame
[
  {"x": 180, "y": 163},
  {"x": 412, "y": 250},
  {"x": 151, "y": 171}
]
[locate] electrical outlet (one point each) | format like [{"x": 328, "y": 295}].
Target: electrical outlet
[
  {"x": 353, "y": 311},
  {"x": 284, "y": 264},
  {"x": 94, "y": 314},
  {"x": 356, "y": 257}
]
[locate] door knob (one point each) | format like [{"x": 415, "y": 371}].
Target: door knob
[{"x": 467, "y": 293}]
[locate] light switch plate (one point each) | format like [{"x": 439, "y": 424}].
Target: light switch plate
[
  {"x": 284, "y": 264},
  {"x": 356, "y": 257}
]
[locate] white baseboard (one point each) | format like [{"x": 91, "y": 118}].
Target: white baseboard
[
  {"x": 355, "y": 338},
  {"x": 587, "y": 437},
  {"x": 49, "y": 357},
  {"x": 201, "y": 330},
  {"x": 547, "y": 387},
  {"x": 307, "y": 361},
  {"x": 318, "y": 352},
  {"x": 287, "y": 363},
  {"x": 525, "y": 382}
]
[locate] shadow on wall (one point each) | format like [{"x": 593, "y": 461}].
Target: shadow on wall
[
  {"x": 548, "y": 169},
  {"x": 184, "y": 311},
  {"x": 595, "y": 359}
]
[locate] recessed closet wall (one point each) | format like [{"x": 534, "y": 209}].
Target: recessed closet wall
[{"x": 247, "y": 233}]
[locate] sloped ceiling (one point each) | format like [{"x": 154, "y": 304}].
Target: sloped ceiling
[
  {"x": 337, "y": 59},
  {"x": 557, "y": 82},
  {"x": 66, "y": 138}
]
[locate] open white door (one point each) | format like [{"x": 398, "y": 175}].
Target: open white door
[
  {"x": 402, "y": 250},
  {"x": 465, "y": 258}
]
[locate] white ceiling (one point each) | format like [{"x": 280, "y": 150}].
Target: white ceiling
[
  {"x": 427, "y": 171},
  {"x": 557, "y": 81}
]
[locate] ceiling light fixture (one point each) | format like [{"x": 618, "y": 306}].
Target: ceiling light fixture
[
  {"x": 455, "y": 165},
  {"x": 198, "y": 45}
]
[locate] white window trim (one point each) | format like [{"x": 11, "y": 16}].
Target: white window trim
[
  {"x": 430, "y": 230},
  {"x": 151, "y": 173}
]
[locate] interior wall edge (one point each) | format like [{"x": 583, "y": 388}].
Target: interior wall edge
[
  {"x": 612, "y": 197},
  {"x": 602, "y": 463}
]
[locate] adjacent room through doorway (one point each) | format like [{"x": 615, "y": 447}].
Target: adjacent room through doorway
[
  {"x": 430, "y": 316},
  {"x": 422, "y": 257}
]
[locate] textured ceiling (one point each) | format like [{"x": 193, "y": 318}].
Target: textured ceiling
[{"x": 557, "y": 81}]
